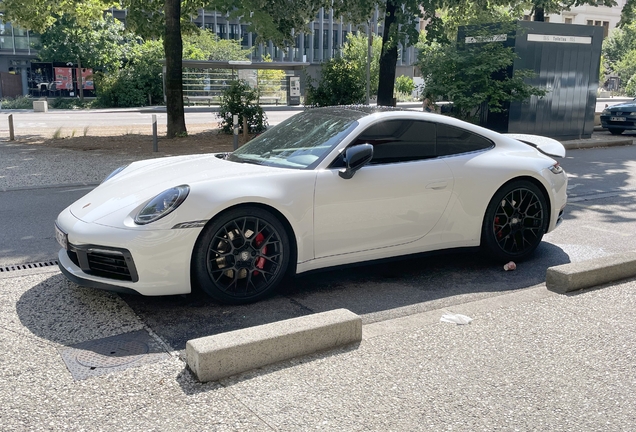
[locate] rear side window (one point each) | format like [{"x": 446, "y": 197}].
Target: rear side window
[
  {"x": 452, "y": 140},
  {"x": 400, "y": 141}
]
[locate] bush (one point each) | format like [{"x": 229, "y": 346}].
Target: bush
[
  {"x": 70, "y": 103},
  {"x": 20, "y": 102},
  {"x": 630, "y": 88},
  {"x": 240, "y": 99},
  {"x": 339, "y": 85},
  {"x": 138, "y": 83},
  {"x": 404, "y": 85}
]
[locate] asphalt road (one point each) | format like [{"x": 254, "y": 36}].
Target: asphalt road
[{"x": 599, "y": 221}]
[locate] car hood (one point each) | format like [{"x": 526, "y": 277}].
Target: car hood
[
  {"x": 627, "y": 106},
  {"x": 143, "y": 180}
]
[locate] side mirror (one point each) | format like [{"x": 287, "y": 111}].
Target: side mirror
[{"x": 356, "y": 157}]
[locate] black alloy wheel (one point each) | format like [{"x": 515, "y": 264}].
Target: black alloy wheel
[
  {"x": 515, "y": 221},
  {"x": 242, "y": 256}
]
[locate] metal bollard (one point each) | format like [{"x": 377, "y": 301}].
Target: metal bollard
[
  {"x": 155, "y": 145},
  {"x": 236, "y": 129},
  {"x": 11, "y": 134}
]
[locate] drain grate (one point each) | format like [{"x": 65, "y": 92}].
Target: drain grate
[
  {"x": 18, "y": 267},
  {"x": 116, "y": 353}
]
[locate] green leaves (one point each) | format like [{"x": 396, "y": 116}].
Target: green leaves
[
  {"x": 354, "y": 52},
  {"x": 339, "y": 85},
  {"x": 99, "y": 46},
  {"x": 39, "y": 15},
  {"x": 242, "y": 100},
  {"x": 474, "y": 77}
]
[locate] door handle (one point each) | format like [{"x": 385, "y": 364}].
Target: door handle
[{"x": 437, "y": 185}]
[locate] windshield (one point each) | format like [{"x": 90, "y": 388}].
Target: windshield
[{"x": 301, "y": 141}]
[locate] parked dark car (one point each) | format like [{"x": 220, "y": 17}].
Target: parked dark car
[{"x": 619, "y": 118}]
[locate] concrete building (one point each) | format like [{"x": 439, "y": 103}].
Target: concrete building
[
  {"x": 17, "y": 48},
  {"x": 602, "y": 16}
]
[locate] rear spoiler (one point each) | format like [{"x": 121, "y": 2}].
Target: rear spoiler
[{"x": 545, "y": 145}]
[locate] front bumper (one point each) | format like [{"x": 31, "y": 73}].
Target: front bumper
[
  {"x": 629, "y": 122},
  {"x": 154, "y": 262}
]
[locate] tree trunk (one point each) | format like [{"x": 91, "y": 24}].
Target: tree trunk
[
  {"x": 539, "y": 14},
  {"x": 388, "y": 58},
  {"x": 173, "y": 48}
]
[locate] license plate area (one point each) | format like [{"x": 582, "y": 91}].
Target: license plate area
[
  {"x": 618, "y": 119},
  {"x": 61, "y": 237}
]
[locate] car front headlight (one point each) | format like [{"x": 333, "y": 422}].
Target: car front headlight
[
  {"x": 606, "y": 112},
  {"x": 114, "y": 173},
  {"x": 162, "y": 205}
]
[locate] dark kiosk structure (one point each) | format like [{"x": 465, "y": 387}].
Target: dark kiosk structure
[{"x": 565, "y": 59}]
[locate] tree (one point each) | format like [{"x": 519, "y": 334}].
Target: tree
[
  {"x": 617, "y": 51},
  {"x": 404, "y": 85},
  {"x": 203, "y": 44},
  {"x": 354, "y": 51},
  {"x": 39, "y": 15},
  {"x": 474, "y": 78},
  {"x": 339, "y": 84},
  {"x": 138, "y": 82},
  {"x": 99, "y": 46},
  {"x": 241, "y": 100}
]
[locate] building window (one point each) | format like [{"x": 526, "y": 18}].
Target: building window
[
  {"x": 220, "y": 31},
  {"x": 604, "y": 24},
  {"x": 568, "y": 20}
]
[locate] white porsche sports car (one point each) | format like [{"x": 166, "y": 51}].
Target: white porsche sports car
[{"x": 328, "y": 186}]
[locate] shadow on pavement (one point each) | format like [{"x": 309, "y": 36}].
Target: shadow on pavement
[
  {"x": 415, "y": 285},
  {"x": 60, "y": 311}
]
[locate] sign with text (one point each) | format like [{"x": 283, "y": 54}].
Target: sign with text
[
  {"x": 87, "y": 78},
  {"x": 584, "y": 40},
  {"x": 63, "y": 78}
]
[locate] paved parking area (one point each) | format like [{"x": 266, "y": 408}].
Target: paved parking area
[
  {"x": 532, "y": 361},
  {"x": 529, "y": 360}
]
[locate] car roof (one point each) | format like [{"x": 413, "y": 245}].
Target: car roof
[{"x": 362, "y": 109}]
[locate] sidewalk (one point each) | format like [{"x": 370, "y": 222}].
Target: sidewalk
[{"x": 530, "y": 360}]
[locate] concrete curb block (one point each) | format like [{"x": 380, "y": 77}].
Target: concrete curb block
[
  {"x": 590, "y": 143},
  {"x": 586, "y": 274},
  {"x": 214, "y": 357}
]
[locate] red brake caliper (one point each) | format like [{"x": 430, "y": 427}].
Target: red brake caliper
[
  {"x": 260, "y": 261},
  {"x": 499, "y": 234}
]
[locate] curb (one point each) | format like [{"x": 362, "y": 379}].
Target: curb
[
  {"x": 214, "y": 357},
  {"x": 591, "y": 143},
  {"x": 585, "y": 274}
]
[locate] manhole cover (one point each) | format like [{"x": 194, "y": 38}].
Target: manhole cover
[{"x": 112, "y": 353}]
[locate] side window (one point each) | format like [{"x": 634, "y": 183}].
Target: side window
[
  {"x": 400, "y": 141},
  {"x": 452, "y": 140}
]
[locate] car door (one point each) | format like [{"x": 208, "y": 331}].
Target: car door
[{"x": 396, "y": 199}]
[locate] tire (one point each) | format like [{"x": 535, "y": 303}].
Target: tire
[
  {"x": 241, "y": 257},
  {"x": 516, "y": 219},
  {"x": 616, "y": 131}
]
